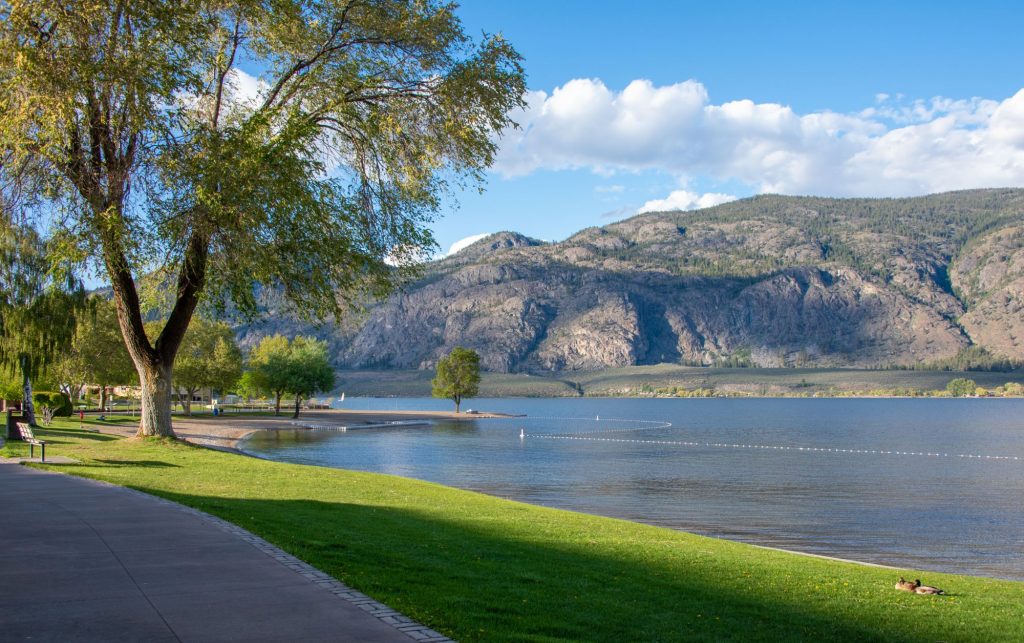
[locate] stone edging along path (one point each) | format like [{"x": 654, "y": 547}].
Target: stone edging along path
[{"x": 382, "y": 612}]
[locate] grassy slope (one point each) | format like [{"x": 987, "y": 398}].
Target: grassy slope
[
  {"x": 481, "y": 568},
  {"x": 771, "y": 381}
]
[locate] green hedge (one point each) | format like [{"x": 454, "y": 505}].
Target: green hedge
[{"x": 60, "y": 402}]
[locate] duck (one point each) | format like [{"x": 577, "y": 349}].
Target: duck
[
  {"x": 905, "y": 585},
  {"x": 926, "y": 589}
]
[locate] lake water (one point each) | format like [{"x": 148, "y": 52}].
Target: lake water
[{"x": 932, "y": 484}]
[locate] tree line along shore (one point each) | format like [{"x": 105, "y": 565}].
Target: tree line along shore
[{"x": 668, "y": 380}]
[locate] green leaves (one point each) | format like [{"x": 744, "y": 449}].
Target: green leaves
[
  {"x": 208, "y": 357},
  {"x": 307, "y": 368},
  {"x": 37, "y": 305},
  {"x": 119, "y": 121},
  {"x": 97, "y": 354},
  {"x": 458, "y": 376},
  {"x": 299, "y": 367}
]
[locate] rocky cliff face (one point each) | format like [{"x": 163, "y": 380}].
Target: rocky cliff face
[
  {"x": 989, "y": 274},
  {"x": 767, "y": 281}
]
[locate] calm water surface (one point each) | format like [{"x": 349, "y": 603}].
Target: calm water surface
[{"x": 803, "y": 474}]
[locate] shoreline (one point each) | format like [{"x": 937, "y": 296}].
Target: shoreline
[{"x": 225, "y": 432}]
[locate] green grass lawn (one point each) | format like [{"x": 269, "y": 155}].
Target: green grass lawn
[{"x": 480, "y": 568}]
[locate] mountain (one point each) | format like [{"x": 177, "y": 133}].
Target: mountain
[{"x": 766, "y": 281}]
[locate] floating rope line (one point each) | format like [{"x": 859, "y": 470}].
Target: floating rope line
[
  {"x": 769, "y": 447},
  {"x": 656, "y": 425},
  {"x": 589, "y": 436}
]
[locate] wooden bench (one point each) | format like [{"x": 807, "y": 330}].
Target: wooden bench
[{"x": 27, "y": 436}]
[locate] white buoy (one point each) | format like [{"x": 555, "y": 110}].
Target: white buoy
[{"x": 522, "y": 434}]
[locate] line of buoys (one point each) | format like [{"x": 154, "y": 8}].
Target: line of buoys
[
  {"x": 768, "y": 447},
  {"x": 655, "y": 425}
]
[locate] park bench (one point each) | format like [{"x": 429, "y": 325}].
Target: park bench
[{"x": 27, "y": 436}]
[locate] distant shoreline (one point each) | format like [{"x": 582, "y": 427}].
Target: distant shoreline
[{"x": 663, "y": 379}]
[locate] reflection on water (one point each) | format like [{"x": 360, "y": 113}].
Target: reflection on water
[{"x": 847, "y": 499}]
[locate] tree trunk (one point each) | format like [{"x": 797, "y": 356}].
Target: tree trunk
[
  {"x": 187, "y": 402},
  {"x": 157, "y": 393},
  {"x": 458, "y": 402},
  {"x": 28, "y": 409},
  {"x": 298, "y": 401},
  {"x": 277, "y": 403},
  {"x": 103, "y": 398}
]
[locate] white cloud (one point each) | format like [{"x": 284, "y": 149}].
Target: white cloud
[
  {"x": 610, "y": 189},
  {"x": 893, "y": 148},
  {"x": 466, "y": 242},
  {"x": 685, "y": 200},
  {"x": 246, "y": 89}
]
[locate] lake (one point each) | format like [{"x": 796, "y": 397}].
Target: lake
[{"x": 933, "y": 484}]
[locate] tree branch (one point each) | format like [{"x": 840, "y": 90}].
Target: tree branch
[
  {"x": 190, "y": 283},
  {"x": 236, "y": 39}
]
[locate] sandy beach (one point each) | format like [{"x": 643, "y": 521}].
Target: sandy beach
[{"x": 225, "y": 431}]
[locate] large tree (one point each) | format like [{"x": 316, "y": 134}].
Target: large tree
[
  {"x": 134, "y": 117},
  {"x": 208, "y": 358},
  {"x": 37, "y": 306}
]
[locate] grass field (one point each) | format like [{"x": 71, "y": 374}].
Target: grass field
[
  {"x": 633, "y": 379},
  {"x": 481, "y": 568}
]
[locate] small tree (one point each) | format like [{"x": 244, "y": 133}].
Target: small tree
[
  {"x": 458, "y": 376},
  {"x": 268, "y": 368},
  {"x": 97, "y": 354},
  {"x": 208, "y": 358},
  {"x": 308, "y": 369},
  {"x": 961, "y": 387}
]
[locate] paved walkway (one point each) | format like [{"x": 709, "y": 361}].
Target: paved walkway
[{"x": 87, "y": 561}]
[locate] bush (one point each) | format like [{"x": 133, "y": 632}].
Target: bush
[
  {"x": 59, "y": 402},
  {"x": 961, "y": 387}
]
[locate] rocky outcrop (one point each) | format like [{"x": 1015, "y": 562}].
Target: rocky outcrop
[{"x": 990, "y": 276}]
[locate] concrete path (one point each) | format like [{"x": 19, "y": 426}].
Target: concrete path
[{"x": 87, "y": 561}]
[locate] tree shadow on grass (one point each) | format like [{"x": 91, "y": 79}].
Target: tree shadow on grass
[
  {"x": 134, "y": 463},
  {"x": 55, "y": 435},
  {"x": 470, "y": 580}
]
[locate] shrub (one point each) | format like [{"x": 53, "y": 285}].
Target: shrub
[
  {"x": 59, "y": 402},
  {"x": 961, "y": 387}
]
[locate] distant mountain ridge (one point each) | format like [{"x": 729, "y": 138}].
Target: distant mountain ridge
[{"x": 766, "y": 281}]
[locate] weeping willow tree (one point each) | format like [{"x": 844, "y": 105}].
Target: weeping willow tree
[
  {"x": 316, "y": 174},
  {"x": 37, "y": 307}
]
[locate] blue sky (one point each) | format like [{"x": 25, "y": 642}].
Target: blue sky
[{"x": 737, "y": 98}]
